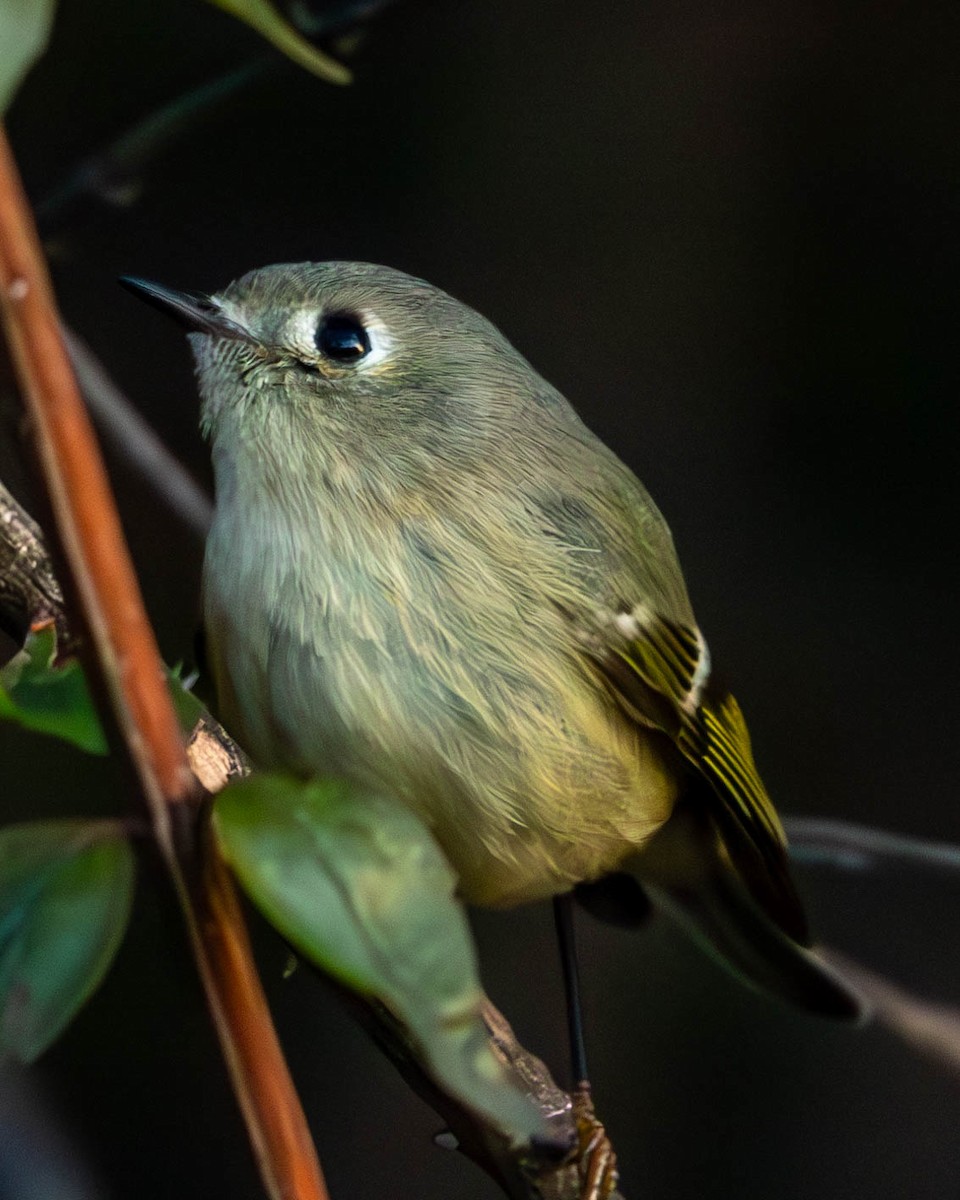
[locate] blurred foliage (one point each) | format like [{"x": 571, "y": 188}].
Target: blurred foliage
[
  {"x": 357, "y": 885},
  {"x": 189, "y": 709},
  {"x": 264, "y": 18},
  {"x": 24, "y": 29},
  {"x": 40, "y": 694},
  {"x": 65, "y": 893}
]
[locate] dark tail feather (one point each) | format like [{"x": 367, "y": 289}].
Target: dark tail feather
[
  {"x": 687, "y": 874},
  {"x": 729, "y": 926}
]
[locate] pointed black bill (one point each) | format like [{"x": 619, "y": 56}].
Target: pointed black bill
[{"x": 193, "y": 310}]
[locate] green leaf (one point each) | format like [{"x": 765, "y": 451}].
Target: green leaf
[
  {"x": 24, "y": 29},
  {"x": 358, "y": 886},
  {"x": 65, "y": 893},
  {"x": 55, "y": 699},
  {"x": 264, "y": 18},
  {"x": 50, "y": 699},
  {"x": 188, "y": 708}
]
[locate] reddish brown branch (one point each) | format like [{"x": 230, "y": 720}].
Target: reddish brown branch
[{"x": 125, "y": 661}]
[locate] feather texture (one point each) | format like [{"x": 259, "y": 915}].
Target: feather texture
[
  {"x": 659, "y": 671},
  {"x": 425, "y": 573}
]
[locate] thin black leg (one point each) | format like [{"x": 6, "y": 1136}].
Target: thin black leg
[{"x": 563, "y": 918}]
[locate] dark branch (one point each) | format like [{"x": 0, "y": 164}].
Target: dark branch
[
  {"x": 115, "y": 174},
  {"x": 850, "y": 847},
  {"x": 29, "y": 591}
]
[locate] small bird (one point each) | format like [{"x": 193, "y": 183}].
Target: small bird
[{"x": 426, "y": 574}]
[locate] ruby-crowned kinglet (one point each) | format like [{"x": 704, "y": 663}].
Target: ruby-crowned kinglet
[{"x": 425, "y": 573}]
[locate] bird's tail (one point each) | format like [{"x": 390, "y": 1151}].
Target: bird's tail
[{"x": 687, "y": 872}]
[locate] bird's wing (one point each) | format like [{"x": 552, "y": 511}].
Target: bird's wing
[{"x": 658, "y": 670}]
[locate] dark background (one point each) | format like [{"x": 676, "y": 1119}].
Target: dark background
[{"x": 728, "y": 233}]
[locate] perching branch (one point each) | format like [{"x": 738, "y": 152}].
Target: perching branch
[
  {"x": 215, "y": 758},
  {"x": 28, "y": 587},
  {"x": 123, "y": 663}
]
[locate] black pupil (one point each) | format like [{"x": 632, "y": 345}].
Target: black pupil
[{"x": 342, "y": 338}]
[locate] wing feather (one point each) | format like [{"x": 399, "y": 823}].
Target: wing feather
[{"x": 658, "y": 669}]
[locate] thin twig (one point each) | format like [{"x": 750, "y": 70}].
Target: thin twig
[
  {"x": 849, "y": 847},
  {"x": 118, "y": 420},
  {"x": 114, "y": 174},
  {"x": 122, "y": 658},
  {"x": 932, "y": 1029}
]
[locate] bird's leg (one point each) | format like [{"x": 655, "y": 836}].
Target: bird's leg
[{"x": 563, "y": 919}]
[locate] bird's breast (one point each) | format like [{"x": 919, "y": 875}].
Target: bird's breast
[{"x": 389, "y": 653}]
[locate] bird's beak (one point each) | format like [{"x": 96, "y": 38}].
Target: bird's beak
[{"x": 193, "y": 310}]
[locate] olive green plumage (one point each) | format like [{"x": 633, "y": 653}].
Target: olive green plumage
[{"x": 426, "y": 573}]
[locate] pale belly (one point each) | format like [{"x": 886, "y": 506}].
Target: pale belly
[
  {"x": 524, "y": 805},
  {"x": 526, "y": 772}
]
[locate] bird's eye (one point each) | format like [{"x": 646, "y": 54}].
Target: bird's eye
[{"x": 343, "y": 338}]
